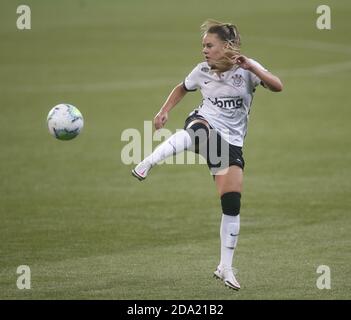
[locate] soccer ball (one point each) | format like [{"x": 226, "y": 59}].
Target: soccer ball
[{"x": 65, "y": 121}]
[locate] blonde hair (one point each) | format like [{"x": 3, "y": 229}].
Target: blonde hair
[{"x": 229, "y": 34}]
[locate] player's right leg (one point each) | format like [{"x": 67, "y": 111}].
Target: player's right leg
[
  {"x": 195, "y": 133},
  {"x": 174, "y": 144}
]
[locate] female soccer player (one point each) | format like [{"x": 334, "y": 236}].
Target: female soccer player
[{"x": 217, "y": 128}]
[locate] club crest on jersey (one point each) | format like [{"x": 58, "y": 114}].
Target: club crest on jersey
[
  {"x": 205, "y": 69},
  {"x": 238, "y": 80}
]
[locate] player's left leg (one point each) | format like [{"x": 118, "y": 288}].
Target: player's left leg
[{"x": 229, "y": 186}]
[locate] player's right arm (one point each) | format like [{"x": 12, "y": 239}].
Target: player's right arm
[{"x": 175, "y": 96}]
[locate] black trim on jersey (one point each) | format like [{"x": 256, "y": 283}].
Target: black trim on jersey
[
  {"x": 186, "y": 89},
  {"x": 263, "y": 84},
  {"x": 254, "y": 89}
]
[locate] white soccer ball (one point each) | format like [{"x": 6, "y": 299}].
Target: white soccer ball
[{"x": 65, "y": 121}]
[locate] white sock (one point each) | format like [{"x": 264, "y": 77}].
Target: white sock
[
  {"x": 174, "y": 144},
  {"x": 229, "y": 233}
]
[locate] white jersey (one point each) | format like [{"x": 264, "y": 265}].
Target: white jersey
[{"x": 226, "y": 99}]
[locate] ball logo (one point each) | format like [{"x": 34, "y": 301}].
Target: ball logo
[{"x": 65, "y": 121}]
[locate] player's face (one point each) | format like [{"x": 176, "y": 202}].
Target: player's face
[{"x": 213, "y": 48}]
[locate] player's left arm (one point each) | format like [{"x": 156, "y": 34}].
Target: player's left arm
[{"x": 270, "y": 81}]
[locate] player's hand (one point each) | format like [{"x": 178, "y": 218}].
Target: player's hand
[
  {"x": 242, "y": 62},
  {"x": 160, "y": 120}
]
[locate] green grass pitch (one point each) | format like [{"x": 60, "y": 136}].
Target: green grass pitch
[{"x": 72, "y": 212}]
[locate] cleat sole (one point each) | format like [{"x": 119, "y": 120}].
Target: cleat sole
[
  {"x": 140, "y": 178},
  {"x": 231, "y": 286}
]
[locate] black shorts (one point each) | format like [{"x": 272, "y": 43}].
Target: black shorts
[{"x": 218, "y": 153}]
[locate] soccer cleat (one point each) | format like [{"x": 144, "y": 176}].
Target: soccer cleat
[
  {"x": 226, "y": 274},
  {"x": 141, "y": 170}
]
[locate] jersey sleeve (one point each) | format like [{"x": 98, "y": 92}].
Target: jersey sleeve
[
  {"x": 254, "y": 79},
  {"x": 191, "y": 82}
]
